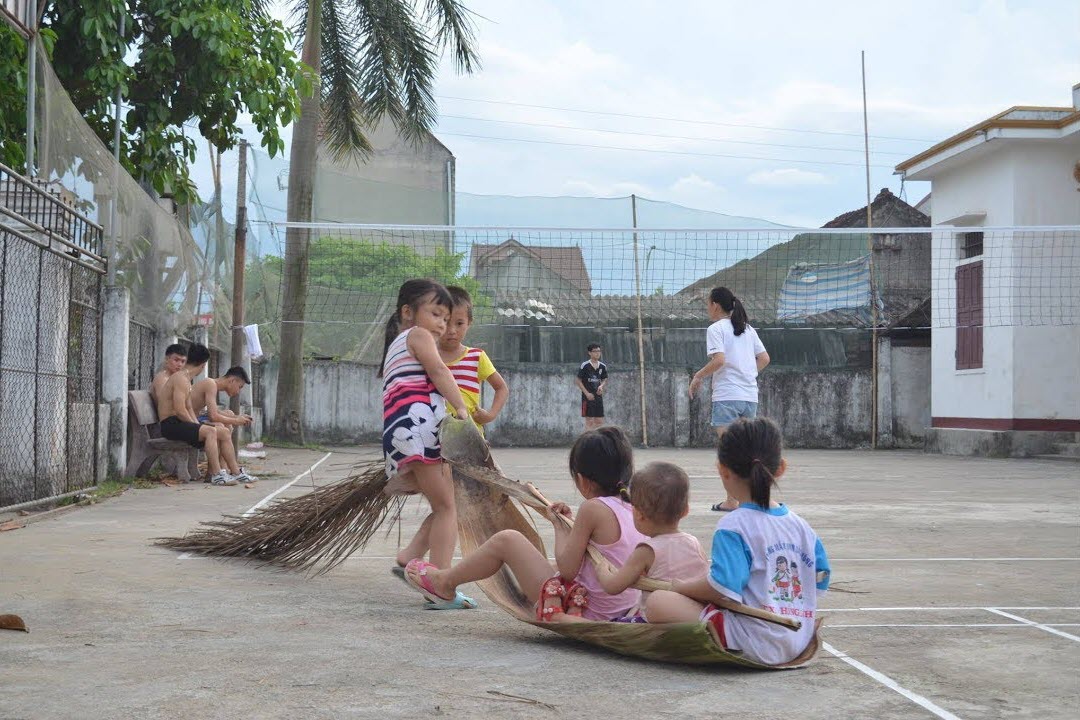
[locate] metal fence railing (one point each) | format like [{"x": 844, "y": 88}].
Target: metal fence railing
[
  {"x": 51, "y": 437},
  {"x": 142, "y": 355}
]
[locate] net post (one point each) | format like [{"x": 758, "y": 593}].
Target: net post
[
  {"x": 873, "y": 285},
  {"x": 640, "y": 330}
]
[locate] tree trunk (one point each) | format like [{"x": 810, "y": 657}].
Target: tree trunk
[{"x": 289, "y": 412}]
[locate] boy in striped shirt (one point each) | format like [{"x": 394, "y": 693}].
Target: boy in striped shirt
[{"x": 471, "y": 367}]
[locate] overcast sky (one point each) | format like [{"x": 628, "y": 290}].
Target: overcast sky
[{"x": 933, "y": 68}]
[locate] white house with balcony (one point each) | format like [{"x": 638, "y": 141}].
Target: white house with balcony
[{"x": 1005, "y": 367}]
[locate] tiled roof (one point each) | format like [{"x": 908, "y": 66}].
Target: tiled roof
[
  {"x": 566, "y": 262},
  {"x": 887, "y": 211},
  {"x": 580, "y": 310}
]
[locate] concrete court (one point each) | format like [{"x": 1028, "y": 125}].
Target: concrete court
[{"x": 963, "y": 601}]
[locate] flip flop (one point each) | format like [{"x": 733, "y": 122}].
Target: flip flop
[
  {"x": 416, "y": 575},
  {"x": 460, "y": 602},
  {"x": 398, "y": 571}
]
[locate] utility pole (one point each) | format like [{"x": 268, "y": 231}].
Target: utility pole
[
  {"x": 31, "y": 85},
  {"x": 640, "y": 330},
  {"x": 239, "y": 253},
  {"x": 873, "y": 284}
]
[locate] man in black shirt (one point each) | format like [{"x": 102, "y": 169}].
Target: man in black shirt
[{"x": 591, "y": 378}]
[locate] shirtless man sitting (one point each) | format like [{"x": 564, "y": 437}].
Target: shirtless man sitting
[
  {"x": 204, "y": 397},
  {"x": 178, "y": 422},
  {"x": 175, "y": 357}
]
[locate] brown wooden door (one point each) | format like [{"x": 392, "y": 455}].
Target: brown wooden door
[{"x": 969, "y": 316}]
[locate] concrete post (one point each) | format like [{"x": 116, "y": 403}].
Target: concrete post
[
  {"x": 114, "y": 372},
  {"x": 202, "y": 337},
  {"x": 885, "y": 393},
  {"x": 245, "y": 434},
  {"x": 681, "y": 400}
]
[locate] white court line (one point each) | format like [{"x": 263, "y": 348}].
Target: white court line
[
  {"x": 890, "y": 683},
  {"x": 937, "y": 609},
  {"x": 957, "y": 559},
  {"x": 831, "y": 626},
  {"x": 286, "y": 486},
  {"x": 268, "y": 498},
  {"x": 1032, "y": 623}
]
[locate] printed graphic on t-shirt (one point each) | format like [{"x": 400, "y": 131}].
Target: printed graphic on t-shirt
[
  {"x": 784, "y": 561},
  {"x": 785, "y": 585}
]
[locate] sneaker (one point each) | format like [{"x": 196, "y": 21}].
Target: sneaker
[
  {"x": 223, "y": 478},
  {"x": 244, "y": 477}
]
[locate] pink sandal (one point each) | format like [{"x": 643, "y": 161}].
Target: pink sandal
[
  {"x": 552, "y": 588},
  {"x": 576, "y": 599},
  {"x": 416, "y": 575}
]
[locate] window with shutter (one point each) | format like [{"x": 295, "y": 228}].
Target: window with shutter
[{"x": 969, "y": 316}]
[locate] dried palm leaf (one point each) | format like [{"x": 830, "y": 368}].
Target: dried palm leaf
[{"x": 316, "y": 531}]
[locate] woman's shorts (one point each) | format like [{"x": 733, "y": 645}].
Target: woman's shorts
[{"x": 725, "y": 412}]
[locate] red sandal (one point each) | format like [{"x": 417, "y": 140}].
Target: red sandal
[
  {"x": 576, "y": 599},
  {"x": 552, "y": 588}
]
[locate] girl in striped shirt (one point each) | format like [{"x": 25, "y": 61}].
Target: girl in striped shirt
[
  {"x": 471, "y": 367},
  {"x": 416, "y": 389}
]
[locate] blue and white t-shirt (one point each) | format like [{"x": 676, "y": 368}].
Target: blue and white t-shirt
[{"x": 769, "y": 559}]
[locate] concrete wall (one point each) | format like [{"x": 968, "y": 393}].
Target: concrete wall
[
  {"x": 827, "y": 408},
  {"x": 398, "y": 183},
  {"x": 910, "y": 381}
]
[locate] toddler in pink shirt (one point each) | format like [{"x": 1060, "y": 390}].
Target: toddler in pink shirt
[{"x": 660, "y": 495}]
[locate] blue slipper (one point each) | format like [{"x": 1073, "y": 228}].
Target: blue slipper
[{"x": 460, "y": 602}]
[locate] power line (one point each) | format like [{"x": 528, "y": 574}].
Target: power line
[
  {"x": 681, "y": 120},
  {"x": 669, "y": 137},
  {"x": 661, "y": 152}
]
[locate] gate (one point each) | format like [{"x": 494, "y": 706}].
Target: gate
[{"x": 52, "y": 432}]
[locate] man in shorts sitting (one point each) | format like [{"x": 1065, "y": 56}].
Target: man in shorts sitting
[
  {"x": 204, "y": 397},
  {"x": 178, "y": 422}
]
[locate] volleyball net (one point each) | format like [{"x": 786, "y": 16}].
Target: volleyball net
[{"x": 540, "y": 294}]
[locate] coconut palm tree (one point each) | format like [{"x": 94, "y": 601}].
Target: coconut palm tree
[{"x": 371, "y": 58}]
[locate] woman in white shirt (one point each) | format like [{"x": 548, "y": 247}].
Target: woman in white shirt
[{"x": 736, "y": 356}]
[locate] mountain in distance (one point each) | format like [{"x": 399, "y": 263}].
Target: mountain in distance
[
  {"x": 668, "y": 261},
  {"x": 586, "y": 212}
]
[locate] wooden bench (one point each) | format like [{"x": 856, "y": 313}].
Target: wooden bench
[{"x": 147, "y": 445}]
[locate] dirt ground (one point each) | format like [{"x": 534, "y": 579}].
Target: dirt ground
[{"x": 955, "y": 586}]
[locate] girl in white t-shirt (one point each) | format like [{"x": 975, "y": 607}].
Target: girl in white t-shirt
[
  {"x": 763, "y": 555},
  {"x": 736, "y": 356}
]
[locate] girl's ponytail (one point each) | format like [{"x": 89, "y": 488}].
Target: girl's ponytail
[
  {"x": 738, "y": 316},
  {"x": 752, "y": 450},
  {"x": 732, "y": 306},
  {"x": 393, "y": 327},
  {"x": 761, "y": 482}
]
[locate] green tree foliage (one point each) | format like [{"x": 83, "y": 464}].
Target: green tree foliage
[
  {"x": 13, "y": 93},
  {"x": 180, "y": 64},
  {"x": 352, "y": 288},
  {"x": 362, "y": 265}
]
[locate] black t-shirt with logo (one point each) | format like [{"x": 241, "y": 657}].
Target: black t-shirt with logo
[{"x": 591, "y": 377}]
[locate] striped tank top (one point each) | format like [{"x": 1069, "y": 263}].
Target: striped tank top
[{"x": 412, "y": 409}]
